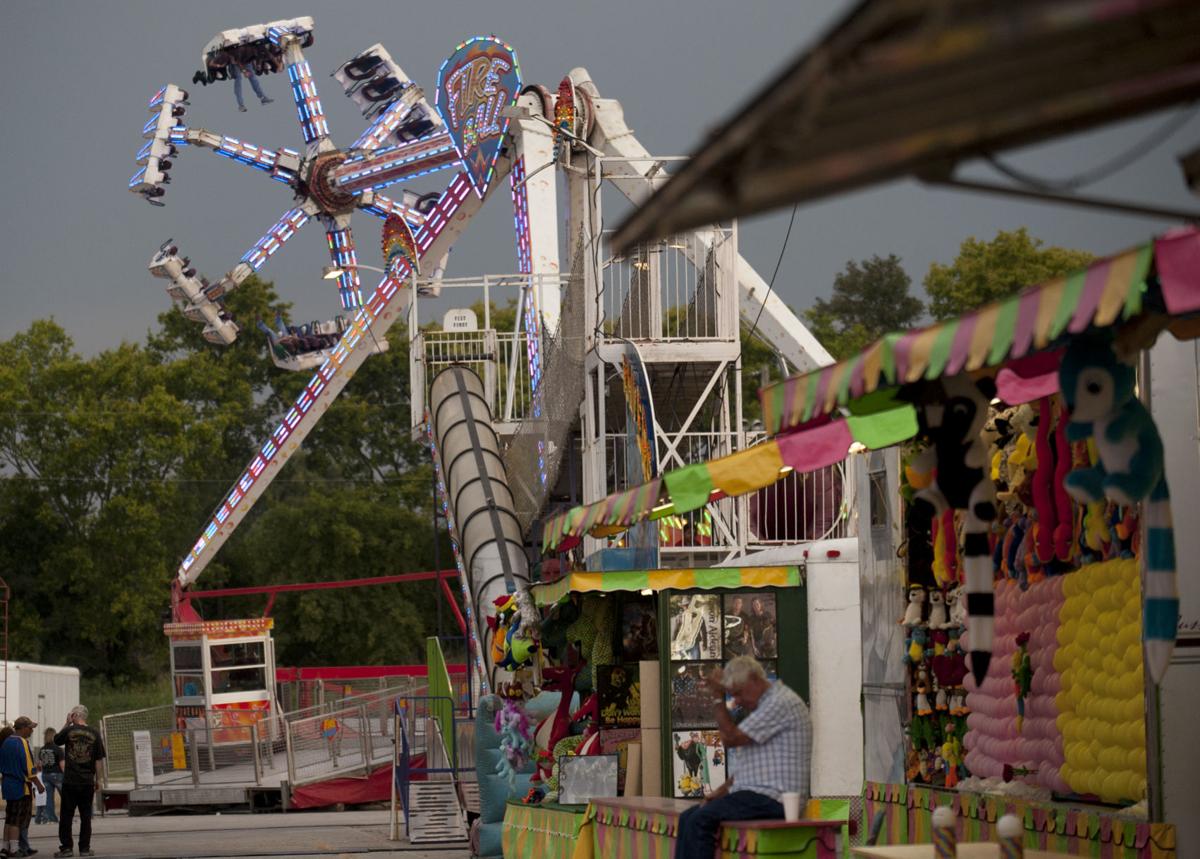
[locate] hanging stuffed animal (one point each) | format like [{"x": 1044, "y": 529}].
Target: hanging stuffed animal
[
  {"x": 1022, "y": 674},
  {"x": 590, "y": 711},
  {"x": 1043, "y": 488},
  {"x": 1064, "y": 528},
  {"x": 951, "y": 414},
  {"x": 916, "y": 603},
  {"x": 1099, "y": 391},
  {"x": 516, "y": 740},
  {"x": 914, "y": 650},
  {"x": 924, "y": 708},
  {"x": 956, "y": 603},
  {"x": 555, "y": 727},
  {"x": 937, "y": 609}
]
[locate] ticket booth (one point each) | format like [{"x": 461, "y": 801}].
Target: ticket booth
[{"x": 223, "y": 673}]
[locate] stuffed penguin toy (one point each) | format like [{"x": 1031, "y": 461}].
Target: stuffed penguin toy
[{"x": 1099, "y": 390}]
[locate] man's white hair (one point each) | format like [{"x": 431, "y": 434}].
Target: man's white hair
[
  {"x": 740, "y": 669},
  {"x": 80, "y": 711}
]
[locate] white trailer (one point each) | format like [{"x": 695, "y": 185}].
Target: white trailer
[{"x": 44, "y": 693}]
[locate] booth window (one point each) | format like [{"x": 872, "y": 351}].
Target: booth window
[
  {"x": 237, "y": 654},
  {"x": 239, "y": 680},
  {"x": 238, "y": 666}
]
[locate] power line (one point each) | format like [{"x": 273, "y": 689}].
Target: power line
[
  {"x": 771, "y": 284},
  {"x": 1102, "y": 171}
]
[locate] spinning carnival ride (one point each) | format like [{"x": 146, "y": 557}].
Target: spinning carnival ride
[
  {"x": 405, "y": 138},
  {"x": 486, "y": 127}
]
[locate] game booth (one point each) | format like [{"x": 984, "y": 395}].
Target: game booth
[
  {"x": 1016, "y": 668},
  {"x": 642, "y": 746}
]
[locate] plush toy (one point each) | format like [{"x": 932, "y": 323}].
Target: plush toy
[
  {"x": 951, "y": 414},
  {"x": 957, "y": 607},
  {"x": 940, "y": 702},
  {"x": 937, "y": 532},
  {"x": 554, "y": 728},
  {"x": 1043, "y": 487},
  {"x": 1099, "y": 391},
  {"x": 922, "y": 689},
  {"x": 916, "y": 602},
  {"x": 953, "y": 756},
  {"x": 1020, "y": 460},
  {"x": 950, "y": 667},
  {"x": 958, "y": 702},
  {"x": 937, "y": 609},
  {"x": 516, "y": 741},
  {"x": 590, "y": 711},
  {"x": 1064, "y": 527},
  {"x": 914, "y": 650},
  {"x": 1022, "y": 674},
  {"x": 950, "y": 533}
]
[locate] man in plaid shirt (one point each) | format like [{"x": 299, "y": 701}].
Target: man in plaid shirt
[{"x": 768, "y": 755}]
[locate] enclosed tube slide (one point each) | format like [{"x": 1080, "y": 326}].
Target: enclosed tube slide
[{"x": 489, "y": 535}]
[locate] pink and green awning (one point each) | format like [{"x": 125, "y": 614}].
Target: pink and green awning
[
  {"x": 661, "y": 580},
  {"x": 1108, "y": 291}
]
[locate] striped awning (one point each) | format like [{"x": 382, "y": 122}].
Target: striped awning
[
  {"x": 817, "y": 416},
  {"x": 661, "y": 580},
  {"x": 691, "y": 487},
  {"x": 1108, "y": 292}
]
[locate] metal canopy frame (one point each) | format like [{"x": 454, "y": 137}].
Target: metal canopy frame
[{"x": 914, "y": 87}]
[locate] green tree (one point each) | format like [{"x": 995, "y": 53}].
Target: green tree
[
  {"x": 110, "y": 465},
  {"x": 869, "y": 300},
  {"x": 986, "y": 271}
]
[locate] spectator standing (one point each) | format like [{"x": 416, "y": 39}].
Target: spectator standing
[
  {"x": 84, "y": 754},
  {"x": 50, "y": 759},
  {"x": 17, "y": 782}
]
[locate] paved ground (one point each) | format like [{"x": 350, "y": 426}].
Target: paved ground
[{"x": 279, "y": 836}]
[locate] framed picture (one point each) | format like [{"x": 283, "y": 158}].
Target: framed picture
[
  {"x": 691, "y": 701},
  {"x": 699, "y": 763},
  {"x": 619, "y": 688},
  {"x": 583, "y": 778},
  {"x": 616, "y": 742},
  {"x": 696, "y": 627},
  {"x": 749, "y": 625},
  {"x": 638, "y": 630}
]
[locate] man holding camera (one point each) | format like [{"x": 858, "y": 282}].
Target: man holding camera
[{"x": 84, "y": 753}]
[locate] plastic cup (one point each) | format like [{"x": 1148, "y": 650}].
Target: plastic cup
[{"x": 791, "y": 806}]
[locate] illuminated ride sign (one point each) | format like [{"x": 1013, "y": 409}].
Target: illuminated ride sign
[{"x": 475, "y": 84}]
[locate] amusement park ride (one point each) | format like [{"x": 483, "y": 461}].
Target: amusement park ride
[{"x": 511, "y": 427}]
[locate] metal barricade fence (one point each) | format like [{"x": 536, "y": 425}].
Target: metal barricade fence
[
  {"x": 216, "y": 754},
  {"x": 116, "y": 729}
]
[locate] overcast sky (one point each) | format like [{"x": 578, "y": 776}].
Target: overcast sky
[{"x": 77, "y": 75}]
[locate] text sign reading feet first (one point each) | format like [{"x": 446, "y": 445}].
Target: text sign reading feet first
[{"x": 474, "y": 85}]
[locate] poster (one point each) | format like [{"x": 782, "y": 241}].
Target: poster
[
  {"x": 638, "y": 630},
  {"x": 143, "y": 758},
  {"x": 696, "y": 626},
  {"x": 749, "y": 625},
  {"x": 619, "y": 688},
  {"x": 699, "y": 763},
  {"x": 616, "y": 742},
  {"x": 691, "y": 700}
]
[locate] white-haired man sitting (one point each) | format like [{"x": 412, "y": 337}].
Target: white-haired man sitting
[{"x": 768, "y": 755}]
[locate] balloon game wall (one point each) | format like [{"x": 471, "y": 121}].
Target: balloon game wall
[{"x": 1063, "y": 710}]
